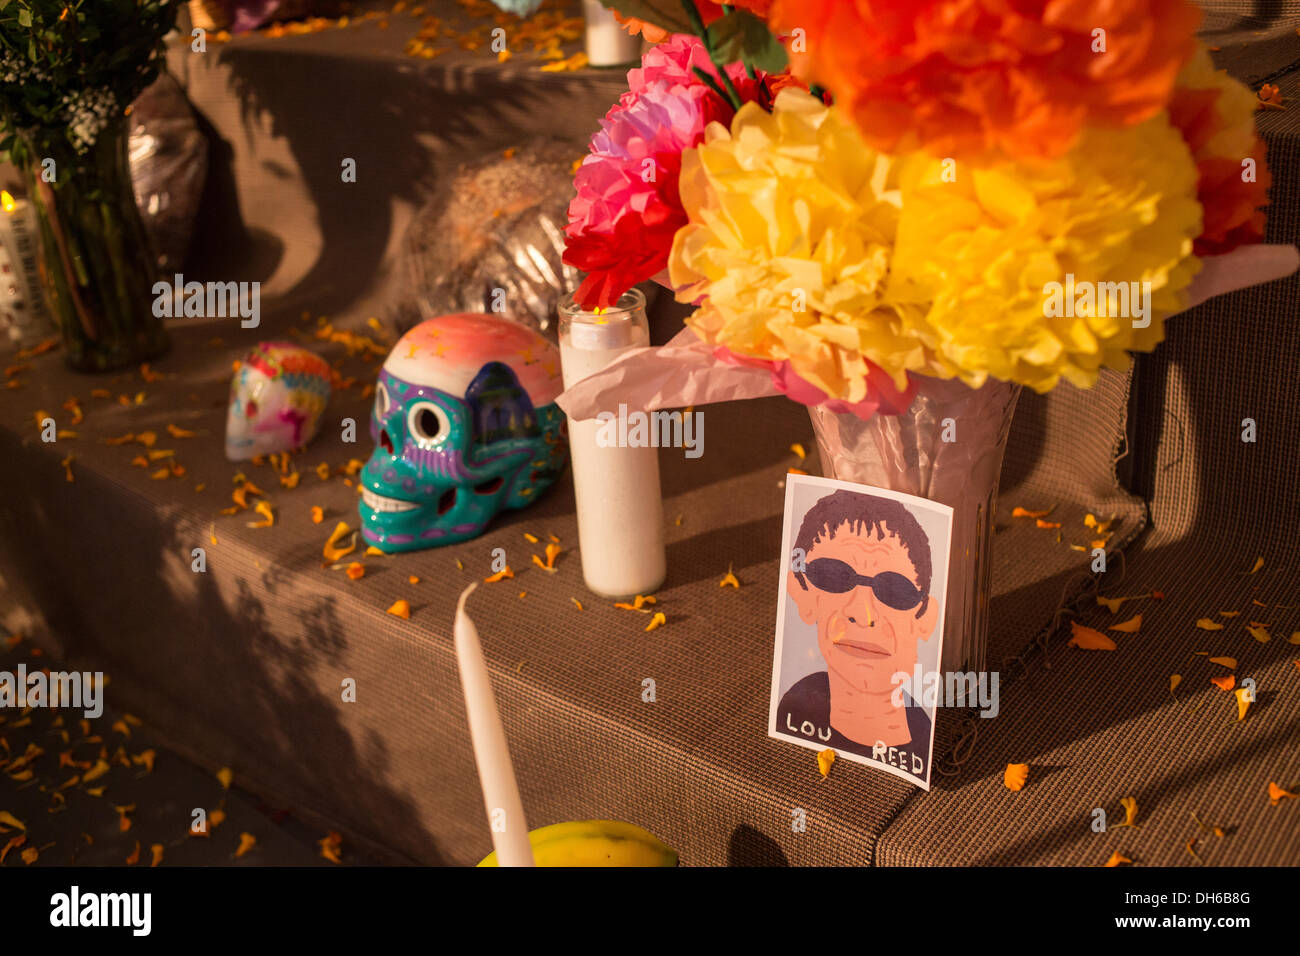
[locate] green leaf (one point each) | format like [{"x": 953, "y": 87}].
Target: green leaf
[
  {"x": 667, "y": 14},
  {"x": 741, "y": 36}
]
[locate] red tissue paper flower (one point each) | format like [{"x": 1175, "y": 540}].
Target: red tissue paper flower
[
  {"x": 627, "y": 208},
  {"x": 1216, "y": 116}
]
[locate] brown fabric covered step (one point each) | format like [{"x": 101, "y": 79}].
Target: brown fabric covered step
[
  {"x": 1096, "y": 727},
  {"x": 242, "y": 666}
]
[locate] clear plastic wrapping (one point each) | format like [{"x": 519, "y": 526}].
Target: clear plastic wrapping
[{"x": 169, "y": 167}]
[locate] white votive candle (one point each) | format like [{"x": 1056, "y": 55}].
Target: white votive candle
[
  {"x": 608, "y": 44},
  {"x": 620, "y": 506},
  {"x": 495, "y": 773}
]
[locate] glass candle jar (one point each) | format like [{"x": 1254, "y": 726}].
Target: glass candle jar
[
  {"x": 608, "y": 44},
  {"x": 620, "y": 506}
]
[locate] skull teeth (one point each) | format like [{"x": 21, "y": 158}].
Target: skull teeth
[{"x": 381, "y": 503}]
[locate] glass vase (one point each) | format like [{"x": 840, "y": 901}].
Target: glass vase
[
  {"x": 98, "y": 268},
  {"x": 947, "y": 447}
]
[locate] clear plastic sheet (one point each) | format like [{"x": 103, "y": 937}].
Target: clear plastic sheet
[
  {"x": 492, "y": 237},
  {"x": 947, "y": 447},
  {"x": 169, "y": 167}
]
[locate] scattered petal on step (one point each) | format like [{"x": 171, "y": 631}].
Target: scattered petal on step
[
  {"x": 1131, "y": 626},
  {"x": 825, "y": 760},
  {"x": 1089, "y": 639}
]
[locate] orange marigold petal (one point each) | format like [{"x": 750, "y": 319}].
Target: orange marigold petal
[
  {"x": 1277, "y": 794},
  {"x": 825, "y": 760},
  {"x": 1089, "y": 639}
]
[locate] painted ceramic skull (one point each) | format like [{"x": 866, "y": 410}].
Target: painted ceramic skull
[
  {"x": 277, "y": 396},
  {"x": 465, "y": 425}
]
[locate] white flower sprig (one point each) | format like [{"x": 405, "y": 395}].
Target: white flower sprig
[{"x": 88, "y": 112}]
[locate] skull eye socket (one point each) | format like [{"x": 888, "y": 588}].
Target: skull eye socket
[
  {"x": 428, "y": 424},
  {"x": 383, "y": 403}
]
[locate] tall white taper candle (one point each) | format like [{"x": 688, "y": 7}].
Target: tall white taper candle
[{"x": 495, "y": 773}]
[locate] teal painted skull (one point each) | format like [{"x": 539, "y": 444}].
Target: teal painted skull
[{"x": 465, "y": 425}]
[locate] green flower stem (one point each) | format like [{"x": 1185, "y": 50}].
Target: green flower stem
[
  {"x": 56, "y": 277},
  {"x": 117, "y": 252},
  {"x": 726, "y": 78},
  {"x": 697, "y": 23},
  {"x": 59, "y": 264},
  {"x": 711, "y": 81},
  {"x": 99, "y": 263}
]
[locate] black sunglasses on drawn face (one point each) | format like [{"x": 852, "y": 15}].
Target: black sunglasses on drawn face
[{"x": 836, "y": 577}]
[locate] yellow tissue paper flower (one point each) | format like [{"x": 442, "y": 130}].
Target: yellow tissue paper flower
[
  {"x": 982, "y": 249},
  {"x": 804, "y": 244},
  {"x": 792, "y": 224}
]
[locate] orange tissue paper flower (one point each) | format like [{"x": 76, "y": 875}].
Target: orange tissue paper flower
[{"x": 969, "y": 77}]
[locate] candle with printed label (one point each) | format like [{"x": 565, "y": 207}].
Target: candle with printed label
[{"x": 22, "y": 310}]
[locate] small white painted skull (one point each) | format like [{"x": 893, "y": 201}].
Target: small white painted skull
[{"x": 277, "y": 396}]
